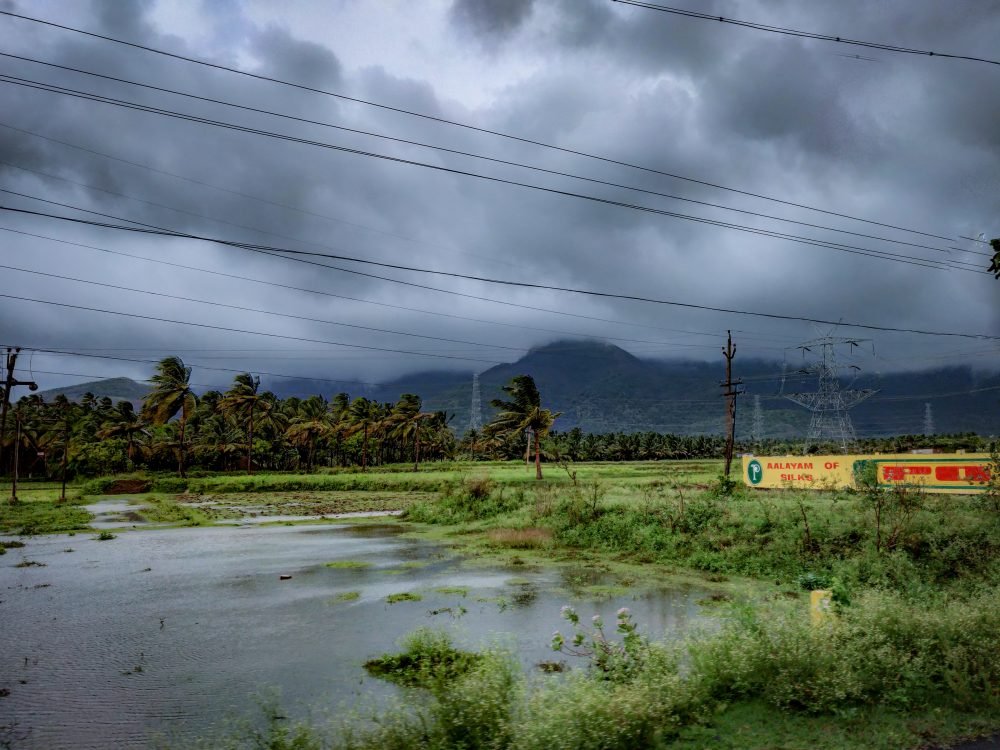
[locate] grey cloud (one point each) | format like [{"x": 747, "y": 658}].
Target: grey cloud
[
  {"x": 909, "y": 142},
  {"x": 296, "y": 60},
  {"x": 489, "y": 19}
]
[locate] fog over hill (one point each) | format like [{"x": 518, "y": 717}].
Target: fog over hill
[{"x": 602, "y": 388}]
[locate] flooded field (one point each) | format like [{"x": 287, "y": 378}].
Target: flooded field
[{"x": 167, "y": 632}]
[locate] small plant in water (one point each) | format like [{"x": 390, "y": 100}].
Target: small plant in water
[
  {"x": 105, "y": 536},
  {"x": 428, "y": 658},
  {"x": 405, "y": 596},
  {"x": 614, "y": 661}
]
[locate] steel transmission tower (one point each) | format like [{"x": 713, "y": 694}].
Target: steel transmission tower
[
  {"x": 829, "y": 404},
  {"x": 476, "y": 409},
  {"x": 757, "y": 425},
  {"x": 928, "y": 420}
]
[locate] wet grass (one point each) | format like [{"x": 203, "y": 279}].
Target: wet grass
[
  {"x": 347, "y": 596},
  {"x": 405, "y": 596},
  {"x": 39, "y": 511},
  {"x": 348, "y": 564},
  {"x": 428, "y": 658}
]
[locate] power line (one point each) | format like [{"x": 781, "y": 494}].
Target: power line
[
  {"x": 61, "y": 352},
  {"x": 433, "y": 118},
  {"x": 255, "y": 310},
  {"x": 803, "y": 34},
  {"x": 570, "y": 290},
  {"x": 371, "y": 302},
  {"x": 260, "y": 311},
  {"x": 368, "y": 275},
  {"x": 248, "y": 196},
  {"x": 240, "y": 330},
  {"x": 468, "y": 154},
  {"x": 853, "y": 249}
]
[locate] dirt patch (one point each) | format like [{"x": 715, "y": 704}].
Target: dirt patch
[{"x": 128, "y": 487}]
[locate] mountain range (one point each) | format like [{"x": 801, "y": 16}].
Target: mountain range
[{"x": 602, "y": 388}]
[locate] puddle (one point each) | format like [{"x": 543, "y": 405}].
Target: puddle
[{"x": 172, "y": 630}]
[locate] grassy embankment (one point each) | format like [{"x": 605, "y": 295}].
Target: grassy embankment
[{"x": 202, "y": 500}]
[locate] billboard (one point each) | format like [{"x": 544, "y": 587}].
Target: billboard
[{"x": 940, "y": 472}]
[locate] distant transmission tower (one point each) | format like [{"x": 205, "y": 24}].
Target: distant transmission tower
[
  {"x": 829, "y": 404},
  {"x": 476, "y": 409},
  {"x": 928, "y": 420},
  {"x": 757, "y": 425}
]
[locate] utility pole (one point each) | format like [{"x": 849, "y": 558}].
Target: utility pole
[
  {"x": 731, "y": 392},
  {"x": 9, "y": 382},
  {"x": 17, "y": 455}
]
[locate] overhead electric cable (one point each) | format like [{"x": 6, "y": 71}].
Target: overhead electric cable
[
  {"x": 542, "y": 144},
  {"x": 242, "y": 330},
  {"x": 279, "y": 285},
  {"x": 570, "y": 290},
  {"x": 465, "y": 295},
  {"x": 803, "y": 34},
  {"x": 240, "y": 194},
  {"x": 853, "y": 249},
  {"x": 482, "y": 157}
]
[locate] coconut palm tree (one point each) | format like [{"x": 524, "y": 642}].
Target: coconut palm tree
[
  {"x": 241, "y": 401},
  {"x": 311, "y": 424},
  {"x": 521, "y": 413},
  {"x": 364, "y": 416},
  {"x": 125, "y": 423},
  {"x": 407, "y": 422},
  {"x": 171, "y": 395}
]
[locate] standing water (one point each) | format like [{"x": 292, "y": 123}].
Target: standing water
[{"x": 169, "y": 632}]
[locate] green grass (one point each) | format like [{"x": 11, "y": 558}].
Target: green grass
[
  {"x": 347, "y": 596},
  {"x": 428, "y": 657},
  {"x": 39, "y": 511},
  {"x": 157, "y": 508},
  {"x": 405, "y": 596},
  {"x": 348, "y": 564}
]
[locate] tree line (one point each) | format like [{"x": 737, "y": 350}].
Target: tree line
[{"x": 245, "y": 428}]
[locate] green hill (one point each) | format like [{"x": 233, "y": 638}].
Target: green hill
[{"x": 117, "y": 389}]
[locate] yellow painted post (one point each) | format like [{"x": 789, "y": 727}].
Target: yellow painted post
[{"x": 820, "y": 606}]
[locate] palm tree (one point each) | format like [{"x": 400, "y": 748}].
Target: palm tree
[
  {"x": 241, "y": 401},
  {"x": 522, "y": 413},
  {"x": 171, "y": 395},
  {"x": 311, "y": 424},
  {"x": 123, "y": 422},
  {"x": 218, "y": 438},
  {"x": 60, "y": 434},
  {"x": 407, "y": 421},
  {"x": 364, "y": 415}
]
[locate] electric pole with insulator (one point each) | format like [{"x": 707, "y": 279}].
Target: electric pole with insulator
[
  {"x": 9, "y": 383},
  {"x": 730, "y": 394}
]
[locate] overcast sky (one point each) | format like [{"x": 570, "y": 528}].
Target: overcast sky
[{"x": 908, "y": 141}]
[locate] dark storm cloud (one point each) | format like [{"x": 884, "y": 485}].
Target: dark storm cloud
[
  {"x": 489, "y": 19},
  {"x": 909, "y": 141}
]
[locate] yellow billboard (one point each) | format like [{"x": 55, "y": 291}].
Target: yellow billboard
[{"x": 938, "y": 472}]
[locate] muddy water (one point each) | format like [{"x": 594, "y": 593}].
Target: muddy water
[{"x": 169, "y": 631}]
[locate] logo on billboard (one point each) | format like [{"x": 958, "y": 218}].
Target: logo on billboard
[{"x": 755, "y": 472}]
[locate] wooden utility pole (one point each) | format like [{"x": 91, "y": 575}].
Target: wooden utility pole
[
  {"x": 731, "y": 392},
  {"x": 9, "y": 382},
  {"x": 17, "y": 456}
]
